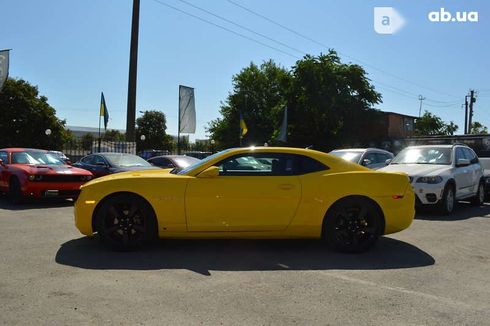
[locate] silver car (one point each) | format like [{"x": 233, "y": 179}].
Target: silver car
[{"x": 372, "y": 158}]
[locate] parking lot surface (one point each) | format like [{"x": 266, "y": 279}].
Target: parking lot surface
[{"x": 437, "y": 272}]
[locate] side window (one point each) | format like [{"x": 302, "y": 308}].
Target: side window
[
  {"x": 381, "y": 158},
  {"x": 459, "y": 154},
  {"x": 163, "y": 162},
  {"x": 88, "y": 160},
  {"x": 309, "y": 165},
  {"x": 372, "y": 157},
  {"x": 470, "y": 155},
  {"x": 99, "y": 160},
  {"x": 261, "y": 164},
  {"x": 4, "y": 156}
]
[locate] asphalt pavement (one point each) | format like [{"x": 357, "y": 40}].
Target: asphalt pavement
[{"x": 436, "y": 272}]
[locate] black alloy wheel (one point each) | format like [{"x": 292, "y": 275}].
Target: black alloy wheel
[
  {"x": 125, "y": 222},
  {"x": 353, "y": 225}
]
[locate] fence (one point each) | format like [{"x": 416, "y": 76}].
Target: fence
[{"x": 75, "y": 150}]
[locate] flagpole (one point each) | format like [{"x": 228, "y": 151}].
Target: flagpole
[
  {"x": 99, "y": 132},
  {"x": 178, "y": 126}
]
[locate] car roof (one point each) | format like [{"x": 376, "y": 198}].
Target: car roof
[
  {"x": 374, "y": 149},
  {"x": 437, "y": 145},
  {"x": 20, "y": 149}
]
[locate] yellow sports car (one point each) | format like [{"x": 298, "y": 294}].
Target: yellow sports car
[{"x": 255, "y": 192}]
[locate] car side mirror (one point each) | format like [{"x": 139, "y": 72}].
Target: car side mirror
[
  {"x": 388, "y": 161},
  {"x": 366, "y": 162},
  {"x": 462, "y": 162},
  {"x": 211, "y": 172}
]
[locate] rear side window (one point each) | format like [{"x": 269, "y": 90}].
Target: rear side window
[
  {"x": 88, "y": 160},
  {"x": 4, "y": 156},
  {"x": 309, "y": 165}
]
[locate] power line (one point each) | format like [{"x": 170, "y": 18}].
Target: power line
[
  {"x": 224, "y": 28},
  {"x": 242, "y": 27},
  {"x": 326, "y": 46}
]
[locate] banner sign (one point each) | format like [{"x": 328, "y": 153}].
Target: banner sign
[
  {"x": 187, "y": 110},
  {"x": 4, "y": 67}
]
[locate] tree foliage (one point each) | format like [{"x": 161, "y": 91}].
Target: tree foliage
[
  {"x": 477, "y": 128},
  {"x": 259, "y": 93},
  {"x": 114, "y": 135},
  {"x": 430, "y": 125},
  {"x": 25, "y": 116},
  {"x": 153, "y": 125},
  {"x": 328, "y": 104}
]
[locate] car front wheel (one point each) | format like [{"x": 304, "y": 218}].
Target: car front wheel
[
  {"x": 448, "y": 200},
  {"x": 353, "y": 225},
  {"x": 125, "y": 222}
]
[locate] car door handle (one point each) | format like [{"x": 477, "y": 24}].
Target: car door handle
[{"x": 286, "y": 186}]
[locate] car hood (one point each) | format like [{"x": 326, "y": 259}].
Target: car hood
[
  {"x": 416, "y": 169},
  {"x": 151, "y": 173},
  {"x": 51, "y": 169}
]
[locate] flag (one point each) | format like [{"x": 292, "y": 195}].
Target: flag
[
  {"x": 4, "y": 67},
  {"x": 103, "y": 111},
  {"x": 283, "y": 134},
  {"x": 187, "y": 110},
  {"x": 243, "y": 126}
]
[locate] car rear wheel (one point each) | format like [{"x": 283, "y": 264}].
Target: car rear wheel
[
  {"x": 448, "y": 200},
  {"x": 15, "y": 192},
  {"x": 353, "y": 225},
  {"x": 479, "y": 199},
  {"x": 125, "y": 222}
]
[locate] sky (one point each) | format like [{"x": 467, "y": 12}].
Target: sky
[{"x": 74, "y": 49}]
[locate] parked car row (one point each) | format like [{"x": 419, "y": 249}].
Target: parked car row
[
  {"x": 35, "y": 173},
  {"x": 439, "y": 174}
]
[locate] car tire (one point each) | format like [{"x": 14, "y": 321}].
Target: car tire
[
  {"x": 448, "y": 200},
  {"x": 15, "y": 192},
  {"x": 479, "y": 198},
  {"x": 353, "y": 225},
  {"x": 125, "y": 222}
]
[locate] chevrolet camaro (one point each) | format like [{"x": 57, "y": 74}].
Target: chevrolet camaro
[{"x": 255, "y": 192}]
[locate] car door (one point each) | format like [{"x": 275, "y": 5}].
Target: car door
[
  {"x": 475, "y": 168},
  {"x": 462, "y": 174},
  {"x": 253, "y": 192}
]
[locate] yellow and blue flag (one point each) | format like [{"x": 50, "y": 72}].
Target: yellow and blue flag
[
  {"x": 103, "y": 110},
  {"x": 243, "y": 126}
]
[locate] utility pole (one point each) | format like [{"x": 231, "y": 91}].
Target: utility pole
[
  {"x": 466, "y": 115},
  {"x": 421, "y": 98},
  {"x": 133, "y": 67},
  {"x": 472, "y": 100}
]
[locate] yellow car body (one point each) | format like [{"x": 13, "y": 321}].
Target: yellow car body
[{"x": 202, "y": 203}]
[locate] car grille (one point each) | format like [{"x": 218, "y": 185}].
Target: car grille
[{"x": 61, "y": 178}]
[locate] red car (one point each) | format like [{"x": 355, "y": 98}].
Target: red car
[{"x": 35, "y": 173}]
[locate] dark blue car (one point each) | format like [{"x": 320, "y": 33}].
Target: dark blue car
[{"x": 101, "y": 164}]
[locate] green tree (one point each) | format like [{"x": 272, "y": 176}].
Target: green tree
[
  {"x": 25, "y": 116},
  {"x": 329, "y": 102},
  {"x": 87, "y": 141},
  {"x": 114, "y": 135},
  {"x": 259, "y": 93},
  {"x": 153, "y": 125},
  {"x": 477, "y": 128},
  {"x": 430, "y": 124}
]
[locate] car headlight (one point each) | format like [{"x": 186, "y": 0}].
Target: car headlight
[
  {"x": 31, "y": 177},
  {"x": 35, "y": 177},
  {"x": 431, "y": 180}
]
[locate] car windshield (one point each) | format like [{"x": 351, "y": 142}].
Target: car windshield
[
  {"x": 126, "y": 160},
  {"x": 35, "y": 157},
  {"x": 185, "y": 161},
  {"x": 424, "y": 155},
  {"x": 352, "y": 156},
  {"x": 199, "y": 163}
]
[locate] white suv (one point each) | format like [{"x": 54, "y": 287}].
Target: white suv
[{"x": 441, "y": 174}]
